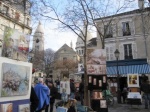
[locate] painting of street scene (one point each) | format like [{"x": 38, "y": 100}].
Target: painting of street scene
[{"x": 15, "y": 80}]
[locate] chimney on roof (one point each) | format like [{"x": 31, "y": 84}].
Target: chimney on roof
[{"x": 141, "y": 4}]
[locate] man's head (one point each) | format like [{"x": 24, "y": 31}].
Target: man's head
[
  {"x": 40, "y": 80},
  {"x": 50, "y": 84}
]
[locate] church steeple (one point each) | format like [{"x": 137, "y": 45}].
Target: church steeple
[{"x": 38, "y": 39}]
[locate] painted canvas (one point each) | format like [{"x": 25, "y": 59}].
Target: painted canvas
[
  {"x": 133, "y": 80},
  {"x": 15, "y": 44},
  {"x": 96, "y": 61},
  {"x": 103, "y": 104},
  {"x": 61, "y": 109},
  {"x": 15, "y": 80},
  {"x": 24, "y": 108},
  {"x": 65, "y": 85},
  {"x": 97, "y": 95},
  {"x": 8, "y": 107}
]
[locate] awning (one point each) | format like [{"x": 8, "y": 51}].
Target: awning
[{"x": 130, "y": 69}]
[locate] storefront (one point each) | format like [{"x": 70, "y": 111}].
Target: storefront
[{"x": 134, "y": 66}]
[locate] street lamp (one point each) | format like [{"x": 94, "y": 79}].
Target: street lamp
[{"x": 117, "y": 53}]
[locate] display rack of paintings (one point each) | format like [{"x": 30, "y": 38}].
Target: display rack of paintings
[
  {"x": 97, "y": 78},
  {"x": 24, "y": 108},
  {"x": 97, "y": 82}
]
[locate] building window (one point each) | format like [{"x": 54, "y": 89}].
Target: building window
[
  {"x": 126, "y": 29},
  {"x": 37, "y": 47},
  {"x": 64, "y": 60},
  {"x": 108, "y": 31},
  {"x": 82, "y": 52},
  {"x": 128, "y": 51},
  {"x": 109, "y": 53},
  {"x": 5, "y": 10}
]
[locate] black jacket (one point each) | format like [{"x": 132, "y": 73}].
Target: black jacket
[
  {"x": 145, "y": 87},
  {"x": 81, "y": 87},
  {"x": 53, "y": 94},
  {"x": 34, "y": 100}
]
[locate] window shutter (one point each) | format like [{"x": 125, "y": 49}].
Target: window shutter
[
  {"x": 114, "y": 27},
  {"x": 111, "y": 53},
  {"x": 121, "y": 50},
  {"x": 119, "y": 29},
  {"x": 134, "y": 51},
  {"x": 131, "y": 25},
  {"x": 107, "y": 53}
]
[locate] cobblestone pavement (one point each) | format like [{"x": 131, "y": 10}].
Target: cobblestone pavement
[
  {"x": 127, "y": 108},
  {"x": 122, "y": 108}
]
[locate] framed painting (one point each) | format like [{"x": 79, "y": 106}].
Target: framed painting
[
  {"x": 8, "y": 107},
  {"x": 97, "y": 95},
  {"x": 61, "y": 109},
  {"x": 15, "y": 79},
  {"x": 24, "y": 108},
  {"x": 103, "y": 104},
  {"x": 133, "y": 80}
]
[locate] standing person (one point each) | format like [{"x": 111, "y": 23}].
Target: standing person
[
  {"x": 53, "y": 93},
  {"x": 145, "y": 87},
  {"x": 34, "y": 101},
  {"x": 124, "y": 94},
  {"x": 81, "y": 91},
  {"x": 42, "y": 92},
  {"x": 72, "y": 88}
]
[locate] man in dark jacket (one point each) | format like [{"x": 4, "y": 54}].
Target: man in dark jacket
[
  {"x": 53, "y": 93},
  {"x": 145, "y": 87},
  {"x": 34, "y": 100},
  {"x": 81, "y": 91}
]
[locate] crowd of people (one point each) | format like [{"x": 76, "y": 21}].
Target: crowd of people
[{"x": 44, "y": 93}]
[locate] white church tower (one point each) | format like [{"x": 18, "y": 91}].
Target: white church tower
[{"x": 38, "y": 39}]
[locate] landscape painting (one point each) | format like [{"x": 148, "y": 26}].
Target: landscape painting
[
  {"x": 8, "y": 107},
  {"x": 24, "y": 108},
  {"x": 15, "y": 80}
]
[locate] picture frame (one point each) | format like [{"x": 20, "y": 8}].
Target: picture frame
[
  {"x": 17, "y": 73},
  {"x": 97, "y": 95},
  {"x": 61, "y": 109},
  {"x": 24, "y": 108},
  {"x": 94, "y": 81},
  {"x": 8, "y": 107},
  {"x": 104, "y": 79},
  {"x": 90, "y": 79},
  {"x": 133, "y": 80},
  {"x": 100, "y": 83},
  {"x": 103, "y": 104}
]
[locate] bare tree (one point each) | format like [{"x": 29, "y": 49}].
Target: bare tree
[
  {"x": 78, "y": 14},
  {"x": 48, "y": 58},
  {"x": 67, "y": 65}
]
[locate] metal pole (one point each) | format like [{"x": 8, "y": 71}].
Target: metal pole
[{"x": 118, "y": 85}]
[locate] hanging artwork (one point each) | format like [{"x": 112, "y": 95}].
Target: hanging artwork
[
  {"x": 97, "y": 95},
  {"x": 104, "y": 79},
  {"x": 96, "y": 61},
  {"x": 24, "y": 108},
  {"x": 103, "y": 104},
  {"x": 100, "y": 83},
  {"x": 61, "y": 109},
  {"x": 94, "y": 81},
  {"x": 8, "y": 107},
  {"x": 15, "y": 44},
  {"x": 15, "y": 80},
  {"x": 133, "y": 80},
  {"x": 90, "y": 79},
  {"x": 65, "y": 85}
]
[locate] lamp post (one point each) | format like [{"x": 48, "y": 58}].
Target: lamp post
[{"x": 117, "y": 53}]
